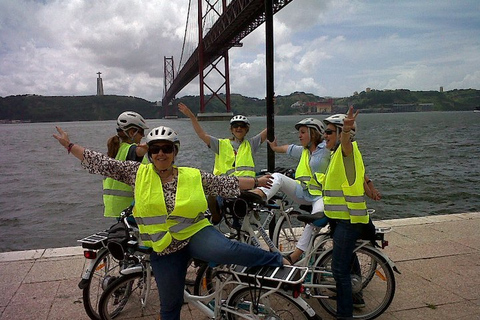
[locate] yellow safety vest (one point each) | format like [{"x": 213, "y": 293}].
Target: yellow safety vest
[
  {"x": 226, "y": 159},
  {"x": 117, "y": 195},
  {"x": 157, "y": 228},
  {"x": 344, "y": 201},
  {"x": 304, "y": 175}
]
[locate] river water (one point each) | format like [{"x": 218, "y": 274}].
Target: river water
[{"x": 422, "y": 163}]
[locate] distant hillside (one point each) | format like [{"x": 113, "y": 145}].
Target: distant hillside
[
  {"x": 44, "y": 109},
  {"x": 373, "y": 101},
  {"x": 36, "y": 108},
  {"x": 464, "y": 99}
]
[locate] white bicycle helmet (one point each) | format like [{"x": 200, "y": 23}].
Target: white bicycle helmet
[
  {"x": 163, "y": 134},
  {"x": 311, "y": 123},
  {"x": 240, "y": 118},
  {"x": 337, "y": 120},
  {"x": 130, "y": 119}
]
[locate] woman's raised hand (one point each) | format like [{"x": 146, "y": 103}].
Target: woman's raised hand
[
  {"x": 62, "y": 137},
  {"x": 142, "y": 145},
  {"x": 185, "y": 110},
  {"x": 64, "y": 140},
  {"x": 273, "y": 144},
  {"x": 349, "y": 121}
]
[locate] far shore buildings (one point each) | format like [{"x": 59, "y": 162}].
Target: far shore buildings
[{"x": 322, "y": 106}]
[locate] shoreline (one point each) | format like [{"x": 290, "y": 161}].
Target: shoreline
[{"x": 46, "y": 253}]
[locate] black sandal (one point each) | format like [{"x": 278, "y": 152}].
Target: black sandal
[{"x": 289, "y": 259}]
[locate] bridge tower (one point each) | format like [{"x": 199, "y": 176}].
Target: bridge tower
[
  {"x": 168, "y": 77},
  {"x": 215, "y": 76}
]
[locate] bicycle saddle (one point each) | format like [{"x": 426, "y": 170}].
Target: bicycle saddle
[{"x": 317, "y": 219}]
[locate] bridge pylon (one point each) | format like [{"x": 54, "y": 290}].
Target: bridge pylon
[
  {"x": 215, "y": 76},
  {"x": 168, "y": 77}
]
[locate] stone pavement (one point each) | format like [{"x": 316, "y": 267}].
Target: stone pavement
[{"x": 438, "y": 256}]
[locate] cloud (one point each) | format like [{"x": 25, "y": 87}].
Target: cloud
[{"x": 331, "y": 48}]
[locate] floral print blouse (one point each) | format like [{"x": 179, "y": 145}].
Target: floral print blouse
[{"x": 126, "y": 171}]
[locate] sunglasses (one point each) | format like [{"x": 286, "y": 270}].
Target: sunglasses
[
  {"x": 166, "y": 149},
  {"x": 238, "y": 125},
  {"x": 329, "y": 132}
]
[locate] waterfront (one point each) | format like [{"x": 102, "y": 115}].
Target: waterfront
[
  {"x": 423, "y": 164},
  {"x": 438, "y": 257}
]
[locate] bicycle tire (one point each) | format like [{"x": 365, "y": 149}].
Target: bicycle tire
[
  {"x": 123, "y": 298},
  {"x": 274, "y": 306},
  {"x": 203, "y": 281},
  {"x": 105, "y": 271},
  {"x": 285, "y": 236},
  {"x": 377, "y": 289}
]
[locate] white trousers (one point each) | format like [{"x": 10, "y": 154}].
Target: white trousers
[{"x": 295, "y": 192}]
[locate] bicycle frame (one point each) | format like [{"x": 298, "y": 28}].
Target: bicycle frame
[
  {"x": 317, "y": 240},
  {"x": 252, "y": 218},
  {"x": 236, "y": 276},
  {"x": 252, "y": 235}
]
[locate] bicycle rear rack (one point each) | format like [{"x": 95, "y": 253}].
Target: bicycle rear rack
[
  {"x": 272, "y": 277},
  {"x": 95, "y": 241}
]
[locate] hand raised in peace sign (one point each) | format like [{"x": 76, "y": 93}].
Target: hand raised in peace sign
[{"x": 349, "y": 121}]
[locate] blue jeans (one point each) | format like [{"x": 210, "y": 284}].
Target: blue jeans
[
  {"x": 208, "y": 245},
  {"x": 344, "y": 238}
]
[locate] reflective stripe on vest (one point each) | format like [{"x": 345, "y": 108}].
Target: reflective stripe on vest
[
  {"x": 341, "y": 200},
  {"x": 226, "y": 158},
  {"x": 157, "y": 228},
  {"x": 117, "y": 195},
  {"x": 304, "y": 175},
  {"x": 182, "y": 222}
]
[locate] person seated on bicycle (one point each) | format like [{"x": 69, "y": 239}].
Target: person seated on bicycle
[
  {"x": 306, "y": 188},
  {"x": 343, "y": 195},
  {"x": 124, "y": 146},
  {"x": 169, "y": 208}
]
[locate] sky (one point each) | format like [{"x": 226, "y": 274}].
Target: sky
[{"x": 330, "y": 48}]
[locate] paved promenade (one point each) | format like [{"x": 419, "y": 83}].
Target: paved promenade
[{"x": 439, "y": 258}]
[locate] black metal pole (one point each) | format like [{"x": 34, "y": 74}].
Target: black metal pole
[
  {"x": 269, "y": 81},
  {"x": 270, "y": 92}
]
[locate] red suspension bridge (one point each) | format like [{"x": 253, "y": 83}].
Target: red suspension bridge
[{"x": 233, "y": 21}]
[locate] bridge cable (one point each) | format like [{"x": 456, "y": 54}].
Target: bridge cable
[{"x": 185, "y": 36}]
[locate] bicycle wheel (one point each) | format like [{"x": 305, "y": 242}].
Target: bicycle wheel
[
  {"x": 285, "y": 236},
  {"x": 194, "y": 268},
  {"x": 128, "y": 297},
  {"x": 203, "y": 281},
  {"x": 105, "y": 271},
  {"x": 273, "y": 306},
  {"x": 206, "y": 280},
  {"x": 375, "y": 284}
]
